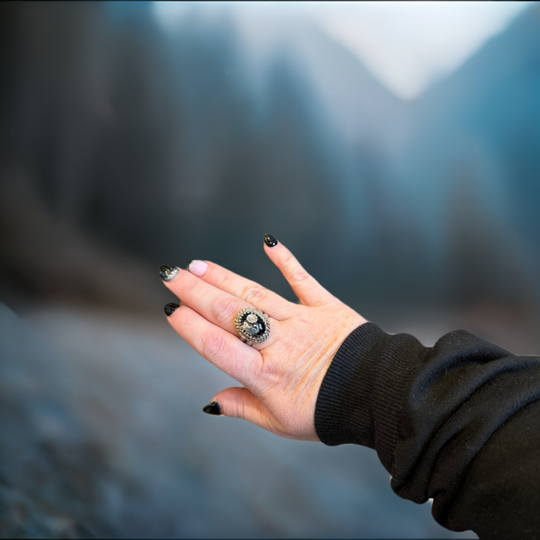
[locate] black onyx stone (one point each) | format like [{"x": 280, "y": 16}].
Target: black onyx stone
[{"x": 259, "y": 326}]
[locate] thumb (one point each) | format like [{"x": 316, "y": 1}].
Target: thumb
[{"x": 239, "y": 402}]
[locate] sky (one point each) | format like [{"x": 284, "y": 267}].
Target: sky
[{"x": 406, "y": 45}]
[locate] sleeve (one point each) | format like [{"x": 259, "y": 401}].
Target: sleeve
[{"x": 458, "y": 423}]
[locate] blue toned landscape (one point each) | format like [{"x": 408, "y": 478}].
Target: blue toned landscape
[{"x": 126, "y": 145}]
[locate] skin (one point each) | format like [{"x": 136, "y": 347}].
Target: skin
[{"x": 281, "y": 377}]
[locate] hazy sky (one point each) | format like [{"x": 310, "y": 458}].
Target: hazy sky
[{"x": 406, "y": 45}]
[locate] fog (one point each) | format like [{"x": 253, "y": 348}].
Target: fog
[{"x": 127, "y": 143}]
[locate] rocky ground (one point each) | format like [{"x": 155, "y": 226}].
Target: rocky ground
[{"x": 103, "y": 435}]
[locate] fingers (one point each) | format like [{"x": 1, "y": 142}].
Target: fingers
[
  {"x": 224, "y": 350},
  {"x": 241, "y": 403},
  {"x": 306, "y": 287},
  {"x": 215, "y": 305},
  {"x": 250, "y": 291}
]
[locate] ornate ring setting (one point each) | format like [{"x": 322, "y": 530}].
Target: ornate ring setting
[{"x": 252, "y": 325}]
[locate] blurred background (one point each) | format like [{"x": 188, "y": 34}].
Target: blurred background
[{"x": 393, "y": 147}]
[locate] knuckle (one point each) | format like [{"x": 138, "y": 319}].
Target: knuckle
[
  {"x": 240, "y": 409},
  {"x": 289, "y": 262},
  {"x": 294, "y": 270},
  {"x": 269, "y": 374},
  {"x": 254, "y": 294},
  {"x": 213, "y": 345},
  {"x": 185, "y": 317},
  {"x": 225, "y": 309},
  {"x": 300, "y": 275},
  {"x": 189, "y": 286},
  {"x": 221, "y": 279},
  {"x": 252, "y": 371}
]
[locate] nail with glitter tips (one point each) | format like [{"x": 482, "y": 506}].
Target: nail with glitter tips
[
  {"x": 170, "y": 308},
  {"x": 213, "y": 408},
  {"x": 168, "y": 273},
  {"x": 269, "y": 240}
]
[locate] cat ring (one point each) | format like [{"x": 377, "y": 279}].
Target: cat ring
[{"x": 253, "y": 325}]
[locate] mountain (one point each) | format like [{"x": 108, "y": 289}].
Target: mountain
[
  {"x": 170, "y": 146},
  {"x": 473, "y": 162}
]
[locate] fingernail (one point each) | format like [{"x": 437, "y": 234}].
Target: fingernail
[
  {"x": 198, "y": 268},
  {"x": 168, "y": 273},
  {"x": 213, "y": 408},
  {"x": 170, "y": 308},
  {"x": 269, "y": 240}
]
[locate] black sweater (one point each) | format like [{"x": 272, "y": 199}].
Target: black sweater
[{"x": 458, "y": 422}]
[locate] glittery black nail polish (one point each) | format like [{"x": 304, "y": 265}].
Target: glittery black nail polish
[
  {"x": 213, "y": 408},
  {"x": 170, "y": 308},
  {"x": 269, "y": 240},
  {"x": 168, "y": 273}
]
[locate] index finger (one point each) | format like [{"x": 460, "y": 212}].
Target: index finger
[{"x": 243, "y": 288}]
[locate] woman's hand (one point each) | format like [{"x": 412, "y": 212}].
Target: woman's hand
[{"x": 283, "y": 374}]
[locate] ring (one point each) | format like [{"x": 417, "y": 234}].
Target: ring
[{"x": 252, "y": 325}]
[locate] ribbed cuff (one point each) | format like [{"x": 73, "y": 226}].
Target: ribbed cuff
[{"x": 362, "y": 393}]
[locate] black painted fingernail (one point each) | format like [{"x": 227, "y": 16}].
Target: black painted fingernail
[
  {"x": 170, "y": 308},
  {"x": 213, "y": 408},
  {"x": 168, "y": 273},
  {"x": 269, "y": 240}
]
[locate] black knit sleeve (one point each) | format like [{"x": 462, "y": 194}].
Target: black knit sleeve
[{"x": 458, "y": 423}]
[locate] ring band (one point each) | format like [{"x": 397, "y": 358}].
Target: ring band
[{"x": 252, "y": 325}]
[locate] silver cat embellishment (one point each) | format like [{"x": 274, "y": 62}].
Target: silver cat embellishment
[{"x": 250, "y": 325}]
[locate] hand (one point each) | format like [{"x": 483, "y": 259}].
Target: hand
[{"x": 283, "y": 374}]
